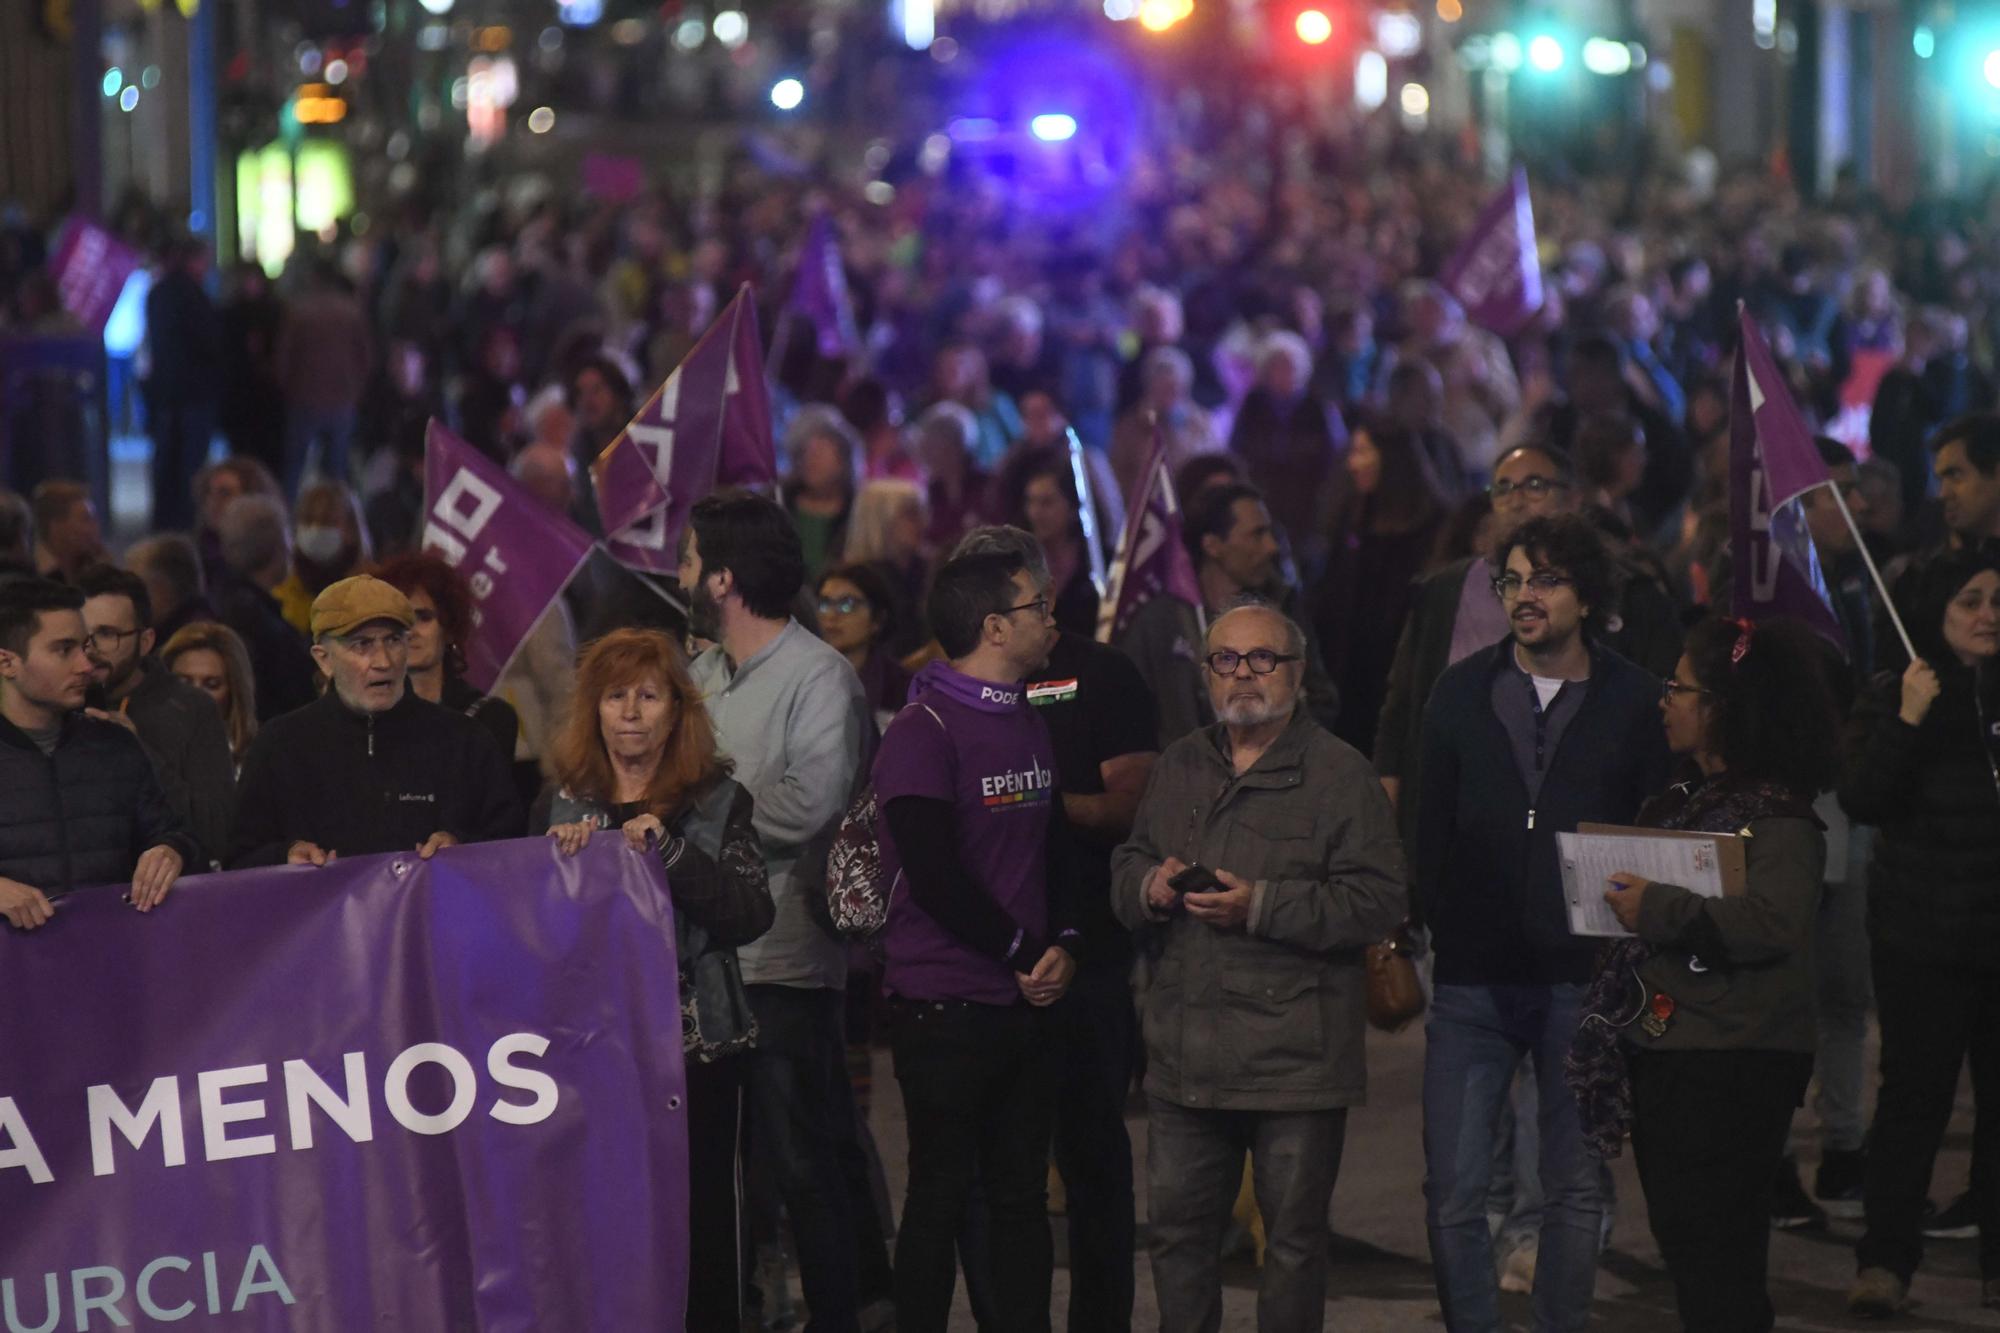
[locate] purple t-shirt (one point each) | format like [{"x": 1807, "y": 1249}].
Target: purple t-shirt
[{"x": 981, "y": 747}]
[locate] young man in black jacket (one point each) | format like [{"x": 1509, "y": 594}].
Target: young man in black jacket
[
  {"x": 79, "y": 803},
  {"x": 369, "y": 767},
  {"x": 1530, "y": 737}
]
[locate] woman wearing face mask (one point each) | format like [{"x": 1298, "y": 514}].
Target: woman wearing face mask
[
  {"x": 329, "y": 542},
  {"x": 637, "y": 755},
  {"x": 1921, "y": 768},
  {"x": 1699, "y": 1033},
  {"x": 443, "y": 605}
]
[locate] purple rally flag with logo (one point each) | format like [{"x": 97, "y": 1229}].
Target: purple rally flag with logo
[
  {"x": 709, "y": 425},
  {"x": 1152, "y": 560},
  {"x": 819, "y": 292},
  {"x": 515, "y": 553},
  {"x": 1496, "y": 274},
  {"x": 91, "y": 267},
  {"x": 385, "y": 1093},
  {"x": 1772, "y": 461}
]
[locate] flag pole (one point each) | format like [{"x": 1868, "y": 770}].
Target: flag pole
[
  {"x": 1888, "y": 602},
  {"x": 1086, "y": 510}
]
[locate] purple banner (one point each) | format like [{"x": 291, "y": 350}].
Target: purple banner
[
  {"x": 709, "y": 425},
  {"x": 90, "y": 267},
  {"x": 1152, "y": 560},
  {"x": 382, "y": 1094},
  {"x": 1776, "y": 569},
  {"x": 819, "y": 292},
  {"x": 1496, "y": 274},
  {"x": 515, "y": 552}
]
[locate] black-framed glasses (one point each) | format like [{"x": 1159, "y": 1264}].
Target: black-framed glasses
[
  {"x": 1040, "y": 606},
  {"x": 1262, "y": 661},
  {"x": 1670, "y": 687},
  {"x": 110, "y": 638},
  {"x": 1508, "y": 586},
  {"x": 845, "y": 606},
  {"x": 1500, "y": 490}
]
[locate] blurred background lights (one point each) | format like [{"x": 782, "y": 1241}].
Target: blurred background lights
[
  {"x": 1602, "y": 56},
  {"x": 690, "y": 34},
  {"x": 114, "y": 79},
  {"x": 129, "y": 98},
  {"x": 438, "y": 6},
  {"x": 1371, "y": 80},
  {"x": 731, "y": 27},
  {"x": 786, "y": 94},
  {"x": 1415, "y": 100},
  {"x": 1053, "y": 126},
  {"x": 1506, "y": 52},
  {"x": 1118, "y": 11},
  {"x": 1450, "y": 11},
  {"x": 1398, "y": 35},
  {"x": 336, "y": 71},
  {"x": 1314, "y": 27},
  {"x": 1992, "y": 68},
  {"x": 541, "y": 120},
  {"x": 1545, "y": 53},
  {"x": 1159, "y": 15},
  {"x": 1923, "y": 41}
]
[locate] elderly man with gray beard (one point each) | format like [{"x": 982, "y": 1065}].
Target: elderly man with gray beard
[{"x": 1263, "y": 860}]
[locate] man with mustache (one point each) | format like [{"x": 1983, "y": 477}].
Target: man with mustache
[{"x": 1530, "y": 737}]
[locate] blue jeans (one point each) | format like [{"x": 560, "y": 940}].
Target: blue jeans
[
  {"x": 332, "y": 431},
  {"x": 1477, "y": 1037}
]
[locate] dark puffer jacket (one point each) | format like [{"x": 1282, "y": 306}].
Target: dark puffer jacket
[
  {"x": 84, "y": 814},
  {"x": 1934, "y": 889}
]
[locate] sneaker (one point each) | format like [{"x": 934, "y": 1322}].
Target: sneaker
[
  {"x": 1878, "y": 1294},
  {"x": 1838, "y": 1182},
  {"x": 1955, "y": 1221},
  {"x": 1518, "y": 1273},
  {"x": 1791, "y": 1210}
]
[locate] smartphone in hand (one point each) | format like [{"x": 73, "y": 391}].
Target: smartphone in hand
[{"x": 1197, "y": 879}]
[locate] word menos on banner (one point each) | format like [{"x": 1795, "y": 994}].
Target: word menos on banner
[{"x": 226, "y": 1113}]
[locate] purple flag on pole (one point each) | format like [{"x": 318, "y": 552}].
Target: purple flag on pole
[
  {"x": 90, "y": 267},
  {"x": 515, "y": 553},
  {"x": 383, "y": 1093},
  {"x": 1496, "y": 274},
  {"x": 709, "y": 425},
  {"x": 1772, "y": 461},
  {"x": 819, "y": 292},
  {"x": 1152, "y": 561}
]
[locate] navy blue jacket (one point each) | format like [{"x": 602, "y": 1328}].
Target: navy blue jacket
[
  {"x": 1486, "y": 872},
  {"x": 84, "y": 814}
]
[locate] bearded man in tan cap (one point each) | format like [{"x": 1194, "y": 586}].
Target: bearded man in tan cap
[{"x": 369, "y": 767}]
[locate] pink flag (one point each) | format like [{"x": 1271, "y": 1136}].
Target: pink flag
[
  {"x": 1772, "y": 461},
  {"x": 515, "y": 552},
  {"x": 90, "y": 267},
  {"x": 1496, "y": 274},
  {"x": 708, "y": 426},
  {"x": 1152, "y": 561}
]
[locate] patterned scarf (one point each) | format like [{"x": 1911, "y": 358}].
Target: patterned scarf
[{"x": 1595, "y": 1068}]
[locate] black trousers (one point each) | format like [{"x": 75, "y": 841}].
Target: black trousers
[
  {"x": 1708, "y": 1132},
  {"x": 1934, "y": 1015},
  {"x": 715, "y": 1231},
  {"x": 977, "y": 1095}
]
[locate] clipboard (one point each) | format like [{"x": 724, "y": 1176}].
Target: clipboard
[{"x": 1709, "y": 864}]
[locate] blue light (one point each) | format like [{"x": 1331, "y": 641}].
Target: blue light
[
  {"x": 1053, "y": 127},
  {"x": 114, "y": 79},
  {"x": 1924, "y": 42},
  {"x": 786, "y": 94}
]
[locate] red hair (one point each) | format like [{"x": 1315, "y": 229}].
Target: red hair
[{"x": 690, "y": 761}]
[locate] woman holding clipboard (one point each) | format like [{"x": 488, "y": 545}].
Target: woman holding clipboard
[{"x": 1699, "y": 1032}]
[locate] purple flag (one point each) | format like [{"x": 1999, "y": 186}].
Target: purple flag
[
  {"x": 709, "y": 425},
  {"x": 1772, "y": 460},
  {"x": 382, "y": 1093},
  {"x": 1152, "y": 560},
  {"x": 819, "y": 292},
  {"x": 91, "y": 267},
  {"x": 1496, "y": 274},
  {"x": 515, "y": 553}
]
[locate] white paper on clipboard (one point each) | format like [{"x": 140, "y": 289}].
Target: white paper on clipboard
[{"x": 1589, "y": 860}]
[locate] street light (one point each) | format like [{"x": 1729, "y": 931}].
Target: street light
[
  {"x": 786, "y": 94},
  {"x": 1314, "y": 27},
  {"x": 1053, "y": 127},
  {"x": 1545, "y": 53}
]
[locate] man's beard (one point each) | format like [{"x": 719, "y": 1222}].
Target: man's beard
[
  {"x": 704, "y": 614},
  {"x": 1254, "y": 712},
  {"x": 97, "y": 694}
]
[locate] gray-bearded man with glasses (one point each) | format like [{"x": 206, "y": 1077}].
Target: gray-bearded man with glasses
[
  {"x": 369, "y": 767},
  {"x": 1263, "y": 860}
]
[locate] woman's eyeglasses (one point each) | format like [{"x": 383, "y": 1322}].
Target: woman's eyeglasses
[
  {"x": 845, "y": 606},
  {"x": 1671, "y": 687}
]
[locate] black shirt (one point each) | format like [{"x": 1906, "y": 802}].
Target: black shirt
[{"x": 1097, "y": 708}]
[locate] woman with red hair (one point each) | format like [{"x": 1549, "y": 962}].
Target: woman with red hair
[
  {"x": 638, "y": 753},
  {"x": 443, "y": 603}
]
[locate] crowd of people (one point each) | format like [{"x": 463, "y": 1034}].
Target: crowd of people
[{"x": 1458, "y": 594}]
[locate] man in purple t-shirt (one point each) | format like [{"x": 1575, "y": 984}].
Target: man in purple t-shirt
[{"x": 966, "y": 783}]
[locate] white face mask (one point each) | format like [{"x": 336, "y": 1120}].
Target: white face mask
[{"x": 319, "y": 544}]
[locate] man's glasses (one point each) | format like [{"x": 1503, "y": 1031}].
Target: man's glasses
[
  {"x": 109, "y": 638},
  {"x": 1508, "y": 586},
  {"x": 1040, "y": 606},
  {"x": 1670, "y": 687},
  {"x": 1262, "y": 661},
  {"x": 1536, "y": 486},
  {"x": 845, "y": 606}
]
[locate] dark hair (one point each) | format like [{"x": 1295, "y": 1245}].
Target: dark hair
[
  {"x": 1832, "y": 452},
  {"x": 1212, "y": 513},
  {"x": 170, "y": 557},
  {"x": 1926, "y": 591},
  {"x": 1604, "y": 441},
  {"x": 753, "y": 538},
  {"x": 449, "y": 593},
  {"x": 1024, "y": 467},
  {"x": 607, "y": 370},
  {"x": 1455, "y": 539},
  {"x": 1202, "y": 471},
  {"x": 1571, "y": 543},
  {"x": 1408, "y": 495},
  {"x": 966, "y": 591},
  {"x": 881, "y": 597},
  {"x": 1979, "y": 432},
  {"x": 106, "y": 580},
  {"x": 1565, "y": 466},
  {"x": 54, "y": 499},
  {"x": 17, "y": 524},
  {"x": 22, "y": 604},
  {"x": 1597, "y": 349},
  {"x": 1772, "y": 716}
]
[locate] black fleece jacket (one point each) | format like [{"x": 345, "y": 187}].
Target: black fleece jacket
[{"x": 84, "y": 814}]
